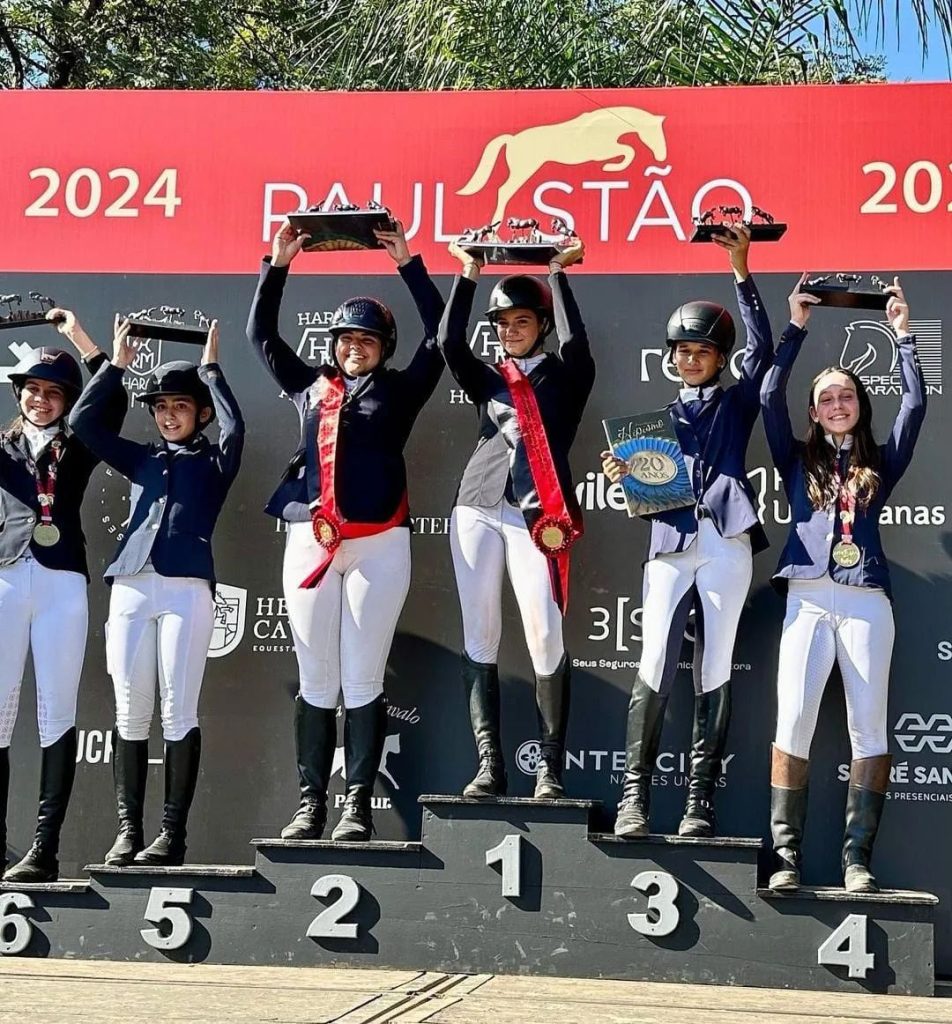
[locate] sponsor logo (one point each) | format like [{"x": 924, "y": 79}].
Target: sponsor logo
[
  {"x": 148, "y": 357},
  {"x": 671, "y": 768},
  {"x": 20, "y": 351},
  {"x": 926, "y": 778},
  {"x": 316, "y": 344},
  {"x": 431, "y": 526},
  {"x": 94, "y": 746},
  {"x": 391, "y": 746},
  {"x": 914, "y": 733},
  {"x": 870, "y": 351},
  {"x": 944, "y": 650},
  {"x": 271, "y": 629},
  {"x": 230, "y": 606}
]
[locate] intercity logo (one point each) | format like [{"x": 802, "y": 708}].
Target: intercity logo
[
  {"x": 870, "y": 351},
  {"x": 231, "y": 605},
  {"x": 914, "y": 733},
  {"x": 613, "y": 761}
]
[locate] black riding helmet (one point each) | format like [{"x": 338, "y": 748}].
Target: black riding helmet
[
  {"x": 520, "y": 291},
  {"x": 702, "y": 322},
  {"x": 362, "y": 313},
  {"x": 52, "y": 365},
  {"x": 179, "y": 378}
]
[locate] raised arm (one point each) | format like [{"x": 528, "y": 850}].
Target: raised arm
[
  {"x": 282, "y": 362},
  {"x": 424, "y": 370},
  {"x": 231, "y": 438},
  {"x": 473, "y": 375},
  {"x": 93, "y": 415},
  {"x": 897, "y": 452},
  {"x": 574, "y": 349}
]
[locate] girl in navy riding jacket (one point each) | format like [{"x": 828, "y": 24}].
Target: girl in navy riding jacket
[
  {"x": 162, "y": 604},
  {"x": 44, "y": 473},
  {"x": 836, "y": 580},
  {"x": 344, "y": 498}
]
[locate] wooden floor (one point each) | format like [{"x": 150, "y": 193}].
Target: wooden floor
[{"x": 67, "y": 991}]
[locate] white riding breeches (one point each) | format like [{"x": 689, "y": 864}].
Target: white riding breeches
[
  {"x": 343, "y": 628},
  {"x": 44, "y": 610},
  {"x": 159, "y": 628},
  {"x": 713, "y": 575},
  {"x": 829, "y": 622},
  {"x": 485, "y": 542}
]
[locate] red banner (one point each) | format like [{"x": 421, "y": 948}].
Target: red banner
[{"x": 184, "y": 182}]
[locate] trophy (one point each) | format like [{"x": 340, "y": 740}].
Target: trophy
[
  {"x": 763, "y": 228},
  {"x": 164, "y": 323},
  {"x": 847, "y": 291},
  {"x": 343, "y": 226},
  {"x": 17, "y": 317},
  {"x": 526, "y": 244}
]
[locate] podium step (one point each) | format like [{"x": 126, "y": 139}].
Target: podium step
[{"x": 888, "y": 897}]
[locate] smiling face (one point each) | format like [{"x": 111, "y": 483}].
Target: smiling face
[
  {"x": 175, "y": 417},
  {"x": 835, "y": 404},
  {"x": 357, "y": 352},
  {"x": 697, "y": 362},
  {"x": 518, "y": 330},
  {"x": 42, "y": 403}
]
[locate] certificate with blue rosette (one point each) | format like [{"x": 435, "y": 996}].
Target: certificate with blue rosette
[{"x": 657, "y": 478}]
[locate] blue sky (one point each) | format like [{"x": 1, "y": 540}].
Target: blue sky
[{"x": 904, "y": 59}]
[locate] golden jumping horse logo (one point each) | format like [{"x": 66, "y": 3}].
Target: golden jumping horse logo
[{"x": 595, "y": 136}]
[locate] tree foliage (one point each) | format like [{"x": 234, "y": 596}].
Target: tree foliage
[{"x": 443, "y": 44}]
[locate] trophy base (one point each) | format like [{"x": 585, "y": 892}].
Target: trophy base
[
  {"x": 159, "y": 331},
  {"x": 338, "y": 230},
  {"x": 525, "y": 254},
  {"x": 758, "y": 232},
  {"x": 27, "y": 320},
  {"x": 843, "y": 297}
]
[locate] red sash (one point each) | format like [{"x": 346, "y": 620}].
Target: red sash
[
  {"x": 556, "y": 529},
  {"x": 330, "y": 527}
]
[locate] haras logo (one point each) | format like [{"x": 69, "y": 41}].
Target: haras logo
[
  {"x": 148, "y": 358},
  {"x": 230, "y": 608},
  {"x": 870, "y": 351},
  {"x": 316, "y": 344}
]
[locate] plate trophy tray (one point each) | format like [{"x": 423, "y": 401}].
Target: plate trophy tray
[
  {"x": 164, "y": 323},
  {"x": 343, "y": 226},
  {"x": 846, "y": 291},
  {"x": 15, "y": 316},
  {"x": 719, "y": 219},
  {"x": 525, "y": 246}
]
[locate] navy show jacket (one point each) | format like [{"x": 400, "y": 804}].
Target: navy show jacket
[
  {"x": 376, "y": 417},
  {"x": 561, "y": 382},
  {"x": 177, "y": 493},
  {"x": 813, "y": 533},
  {"x": 19, "y": 508},
  {"x": 714, "y": 442}
]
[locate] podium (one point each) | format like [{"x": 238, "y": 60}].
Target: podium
[{"x": 507, "y": 886}]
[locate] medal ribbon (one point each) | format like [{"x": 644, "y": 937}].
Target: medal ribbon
[
  {"x": 46, "y": 490},
  {"x": 330, "y": 527},
  {"x": 847, "y": 508},
  {"x": 555, "y": 513}
]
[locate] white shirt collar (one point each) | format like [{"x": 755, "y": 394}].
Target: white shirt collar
[
  {"x": 844, "y": 447},
  {"x": 528, "y": 365},
  {"x": 37, "y": 438},
  {"x": 702, "y": 393}
]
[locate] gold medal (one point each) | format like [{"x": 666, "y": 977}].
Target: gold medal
[
  {"x": 552, "y": 537},
  {"x": 846, "y": 554},
  {"x": 46, "y": 534}
]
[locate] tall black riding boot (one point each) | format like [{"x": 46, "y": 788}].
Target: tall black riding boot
[
  {"x": 130, "y": 768},
  {"x": 181, "y": 774},
  {"x": 315, "y": 731},
  {"x": 481, "y": 683},
  {"x": 552, "y": 711},
  {"x": 4, "y": 790},
  {"x": 645, "y": 719},
  {"x": 712, "y": 716},
  {"x": 865, "y": 799},
  {"x": 365, "y": 730},
  {"x": 57, "y": 771},
  {"x": 789, "y": 777}
]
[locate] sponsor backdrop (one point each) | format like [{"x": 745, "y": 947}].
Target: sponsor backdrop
[{"x": 146, "y": 199}]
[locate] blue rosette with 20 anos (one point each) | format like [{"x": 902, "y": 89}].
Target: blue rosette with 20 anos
[{"x": 657, "y": 478}]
